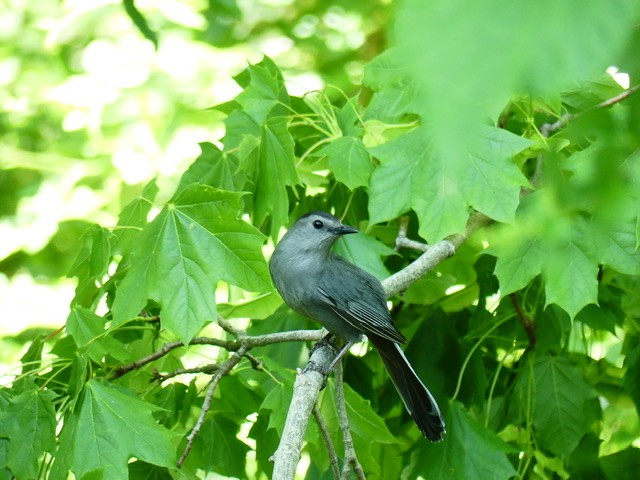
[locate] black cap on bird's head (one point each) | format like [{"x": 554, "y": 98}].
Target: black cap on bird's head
[
  {"x": 324, "y": 222},
  {"x": 317, "y": 231}
]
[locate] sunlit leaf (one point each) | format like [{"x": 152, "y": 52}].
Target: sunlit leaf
[
  {"x": 349, "y": 161},
  {"x": 264, "y": 93},
  {"x": 28, "y": 421},
  {"x": 276, "y": 171},
  {"x": 109, "y": 428},
  {"x": 213, "y": 168},
  {"x": 191, "y": 245}
]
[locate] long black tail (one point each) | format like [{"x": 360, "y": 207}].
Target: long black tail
[{"x": 416, "y": 397}]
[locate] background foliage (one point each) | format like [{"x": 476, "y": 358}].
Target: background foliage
[{"x": 439, "y": 110}]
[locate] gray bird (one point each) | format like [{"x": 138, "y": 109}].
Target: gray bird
[{"x": 349, "y": 303}]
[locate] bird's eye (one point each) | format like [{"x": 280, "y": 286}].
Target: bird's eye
[{"x": 317, "y": 224}]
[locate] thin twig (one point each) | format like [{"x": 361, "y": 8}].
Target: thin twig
[
  {"x": 402, "y": 241},
  {"x": 225, "y": 368},
  {"x": 168, "y": 347},
  {"x": 328, "y": 442},
  {"x": 528, "y": 325},
  {"x": 435, "y": 254},
  {"x": 549, "y": 129},
  {"x": 231, "y": 345},
  {"x": 350, "y": 457},
  {"x": 207, "y": 369}
]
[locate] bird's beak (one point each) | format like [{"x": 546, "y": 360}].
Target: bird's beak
[{"x": 343, "y": 230}]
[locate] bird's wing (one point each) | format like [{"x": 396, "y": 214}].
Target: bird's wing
[{"x": 358, "y": 298}]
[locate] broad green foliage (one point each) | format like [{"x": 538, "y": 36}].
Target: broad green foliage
[
  {"x": 183, "y": 252},
  {"x": 91, "y": 441},
  {"x": 481, "y": 119}
]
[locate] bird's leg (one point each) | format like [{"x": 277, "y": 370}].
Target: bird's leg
[
  {"x": 341, "y": 353},
  {"x": 327, "y": 341}
]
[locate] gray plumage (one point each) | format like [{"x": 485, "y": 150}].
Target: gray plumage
[{"x": 348, "y": 302}]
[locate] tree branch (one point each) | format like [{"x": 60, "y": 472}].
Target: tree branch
[
  {"x": 350, "y": 457},
  {"x": 231, "y": 345},
  {"x": 549, "y": 129},
  {"x": 403, "y": 241},
  {"x": 326, "y": 436},
  {"x": 305, "y": 394},
  {"x": 434, "y": 254},
  {"x": 225, "y": 368},
  {"x": 207, "y": 369},
  {"x": 528, "y": 325}
]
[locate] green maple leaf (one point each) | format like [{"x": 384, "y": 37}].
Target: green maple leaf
[
  {"x": 440, "y": 189},
  {"x": 408, "y": 177},
  {"x": 570, "y": 278},
  {"x": 276, "y": 170},
  {"x": 616, "y": 246},
  {"x": 212, "y": 167},
  {"x": 181, "y": 255},
  {"x": 518, "y": 263},
  {"x": 469, "y": 451},
  {"x": 264, "y": 92},
  {"x": 109, "y": 428},
  {"x": 28, "y": 421},
  {"x": 547, "y": 240},
  {"x": 559, "y": 392},
  {"x": 365, "y": 424},
  {"x": 366, "y": 252},
  {"x": 133, "y": 218},
  {"x": 491, "y": 181},
  {"x": 349, "y": 161},
  {"x": 430, "y": 34}
]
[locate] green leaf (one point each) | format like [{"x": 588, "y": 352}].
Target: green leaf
[
  {"x": 264, "y": 92},
  {"x": 133, "y": 218},
  {"x": 440, "y": 189},
  {"x": 276, "y": 170},
  {"x": 491, "y": 182},
  {"x": 622, "y": 465},
  {"x": 177, "y": 262},
  {"x": 212, "y": 167},
  {"x": 570, "y": 278},
  {"x": 89, "y": 334},
  {"x": 93, "y": 259},
  {"x": 616, "y": 245},
  {"x": 5, "y": 473},
  {"x": 549, "y": 240},
  {"x": 631, "y": 380},
  {"x": 469, "y": 451},
  {"x": 223, "y": 17},
  {"x": 364, "y": 422},
  {"x": 556, "y": 392},
  {"x": 145, "y": 471},
  {"x": 219, "y": 448},
  {"x": 140, "y": 22},
  {"x": 349, "y": 161},
  {"x": 28, "y": 421},
  {"x": 256, "y": 308},
  {"x": 366, "y": 252},
  {"x": 518, "y": 263},
  {"x": 430, "y": 34},
  {"x": 277, "y": 402},
  {"x": 92, "y": 263},
  {"x": 410, "y": 177},
  {"x": 109, "y": 428}
]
